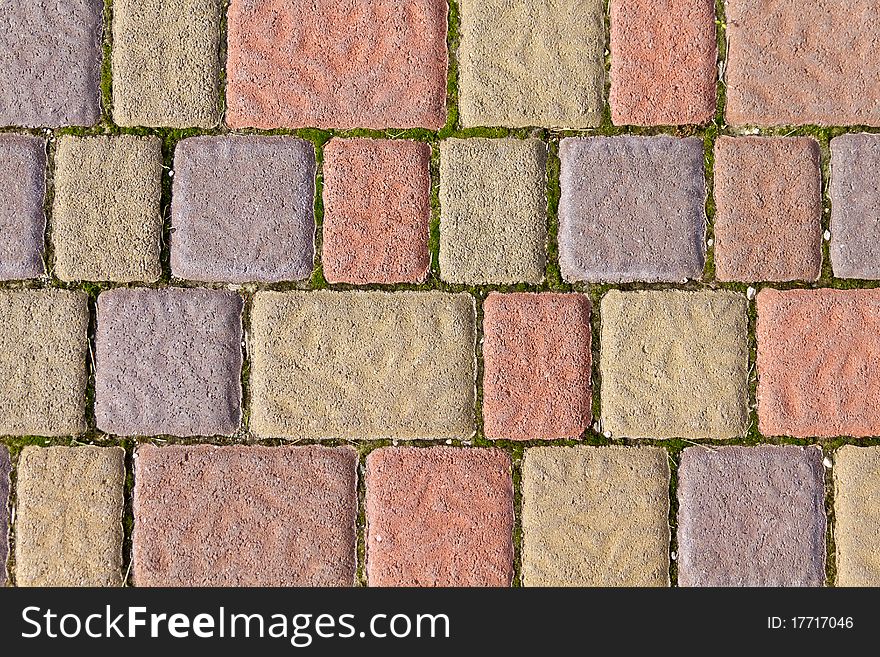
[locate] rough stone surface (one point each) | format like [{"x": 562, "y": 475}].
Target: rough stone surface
[
  {"x": 439, "y": 516},
  {"x": 244, "y": 516},
  {"x": 336, "y": 64},
  {"x": 595, "y": 517},
  {"x": 751, "y": 516},
  {"x": 817, "y": 357},
  {"x": 797, "y": 63},
  {"x": 242, "y": 209},
  {"x": 5, "y": 468},
  {"x": 632, "y": 209},
  {"x": 674, "y": 364},
  {"x": 43, "y": 354},
  {"x": 50, "y": 60},
  {"x": 536, "y": 376},
  {"x": 180, "y": 88},
  {"x": 377, "y": 211},
  {"x": 22, "y": 218},
  {"x": 857, "y": 515},
  {"x": 168, "y": 362},
  {"x": 855, "y": 206},
  {"x": 493, "y": 204},
  {"x": 663, "y": 62},
  {"x": 362, "y": 365},
  {"x": 768, "y": 199},
  {"x": 68, "y": 520},
  {"x": 531, "y": 64},
  {"x": 106, "y": 216}
]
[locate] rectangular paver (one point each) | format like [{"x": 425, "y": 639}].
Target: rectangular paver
[
  {"x": 536, "y": 373},
  {"x": 493, "y": 205},
  {"x": 68, "y": 520},
  {"x": 768, "y": 199},
  {"x": 242, "y": 209},
  {"x": 5, "y": 468},
  {"x": 674, "y": 364},
  {"x": 337, "y": 64},
  {"x": 106, "y": 215},
  {"x": 439, "y": 516},
  {"x": 43, "y": 355},
  {"x": 362, "y": 365},
  {"x": 751, "y": 516},
  {"x": 857, "y": 515},
  {"x": 531, "y": 64},
  {"x": 22, "y": 217},
  {"x": 377, "y": 211},
  {"x": 168, "y": 362},
  {"x": 817, "y": 353},
  {"x": 244, "y": 516},
  {"x": 595, "y": 516},
  {"x": 632, "y": 209}
]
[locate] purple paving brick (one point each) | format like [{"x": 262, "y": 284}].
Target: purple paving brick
[
  {"x": 243, "y": 209},
  {"x": 168, "y": 362},
  {"x": 632, "y": 209},
  {"x": 5, "y": 467},
  {"x": 22, "y": 218}
]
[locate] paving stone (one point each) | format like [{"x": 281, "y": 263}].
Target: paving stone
[
  {"x": 243, "y": 209},
  {"x": 857, "y": 515},
  {"x": 663, "y": 62},
  {"x": 377, "y": 211},
  {"x": 5, "y": 468},
  {"x": 493, "y": 223},
  {"x": 51, "y": 61},
  {"x": 632, "y": 209},
  {"x": 106, "y": 216},
  {"x": 22, "y": 218},
  {"x": 168, "y": 362},
  {"x": 337, "y": 64},
  {"x": 768, "y": 199},
  {"x": 439, "y": 516},
  {"x": 751, "y": 516},
  {"x": 43, "y": 354},
  {"x": 180, "y": 88},
  {"x": 595, "y": 516},
  {"x": 674, "y": 364},
  {"x": 68, "y": 516},
  {"x": 855, "y": 206},
  {"x": 536, "y": 376},
  {"x": 531, "y": 64},
  {"x": 244, "y": 516},
  {"x": 796, "y": 63},
  {"x": 377, "y": 365},
  {"x": 817, "y": 362}
]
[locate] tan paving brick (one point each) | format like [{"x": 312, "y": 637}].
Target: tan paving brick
[{"x": 857, "y": 515}]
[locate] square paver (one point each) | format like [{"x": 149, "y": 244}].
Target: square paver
[
  {"x": 43, "y": 355},
  {"x": 768, "y": 199},
  {"x": 857, "y": 515},
  {"x": 595, "y": 516},
  {"x": 336, "y": 64},
  {"x": 5, "y": 468},
  {"x": 796, "y": 63},
  {"x": 663, "y": 62},
  {"x": 168, "y": 362},
  {"x": 817, "y": 356},
  {"x": 439, "y": 516},
  {"x": 244, "y": 516},
  {"x": 181, "y": 87},
  {"x": 751, "y": 516},
  {"x": 377, "y": 211},
  {"x": 50, "y": 62},
  {"x": 632, "y": 209},
  {"x": 675, "y": 364},
  {"x": 531, "y": 64},
  {"x": 106, "y": 215},
  {"x": 536, "y": 374},
  {"x": 22, "y": 217},
  {"x": 68, "y": 516},
  {"x": 493, "y": 205},
  {"x": 242, "y": 209},
  {"x": 362, "y": 365},
  {"x": 855, "y": 206}
]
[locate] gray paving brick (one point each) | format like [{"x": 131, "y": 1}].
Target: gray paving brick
[{"x": 22, "y": 218}]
